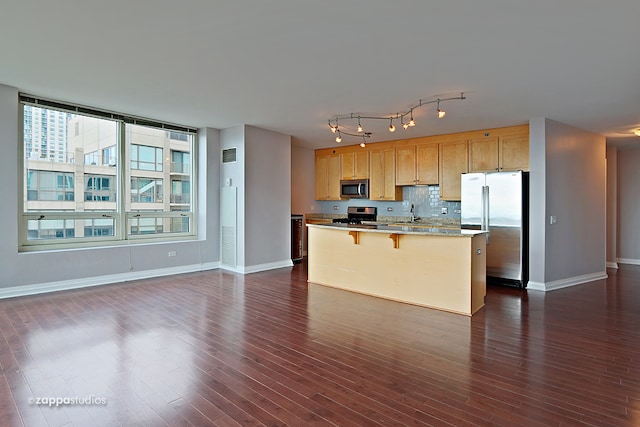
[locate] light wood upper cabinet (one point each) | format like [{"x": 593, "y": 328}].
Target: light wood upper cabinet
[
  {"x": 483, "y": 154},
  {"x": 499, "y": 153},
  {"x": 514, "y": 152},
  {"x": 355, "y": 164},
  {"x": 453, "y": 163},
  {"x": 382, "y": 175},
  {"x": 417, "y": 164},
  {"x": 327, "y": 177}
]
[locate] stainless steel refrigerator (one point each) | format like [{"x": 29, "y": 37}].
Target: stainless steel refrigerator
[{"x": 498, "y": 202}]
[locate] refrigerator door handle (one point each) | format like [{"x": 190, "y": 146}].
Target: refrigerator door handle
[{"x": 485, "y": 210}]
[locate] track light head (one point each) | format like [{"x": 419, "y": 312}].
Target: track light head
[
  {"x": 359, "y": 125},
  {"x": 637, "y": 132},
  {"x": 441, "y": 113},
  {"x": 411, "y": 122},
  {"x": 392, "y": 128},
  {"x": 339, "y": 137}
]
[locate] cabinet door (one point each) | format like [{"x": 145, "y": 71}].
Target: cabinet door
[
  {"x": 361, "y": 164},
  {"x": 453, "y": 163},
  {"x": 406, "y": 165},
  {"x": 348, "y": 168},
  {"x": 322, "y": 177},
  {"x": 327, "y": 177},
  {"x": 483, "y": 154},
  {"x": 426, "y": 164},
  {"x": 514, "y": 152},
  {"x": 390, "y": 190},
  {"x": 355, "y": 164},
  {"x": 333, "y": 174},
  {"x": 382, "y": 175}
]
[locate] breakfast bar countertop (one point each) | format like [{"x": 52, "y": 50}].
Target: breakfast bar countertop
[{"x": 402, "y": 229}]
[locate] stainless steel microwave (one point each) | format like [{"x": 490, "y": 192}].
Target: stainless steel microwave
[{"x": 354, "y": 188}]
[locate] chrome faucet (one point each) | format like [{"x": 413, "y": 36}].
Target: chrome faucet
[{"x": 413, "y": 214}]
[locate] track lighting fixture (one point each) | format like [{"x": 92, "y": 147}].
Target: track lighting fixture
[
  {"x": 359, "y": 130},
  {"x": 363, "y": 143}
]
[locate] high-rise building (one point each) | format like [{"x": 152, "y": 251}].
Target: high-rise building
[{"x": 45, "y": 134}]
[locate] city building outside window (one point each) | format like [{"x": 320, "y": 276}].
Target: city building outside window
[{"x": 93, "y": 176}]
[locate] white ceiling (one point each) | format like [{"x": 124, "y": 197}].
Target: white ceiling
[{"x": 290, "y": 65}]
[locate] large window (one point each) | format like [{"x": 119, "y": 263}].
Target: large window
[{"x": 93, "y": 176}]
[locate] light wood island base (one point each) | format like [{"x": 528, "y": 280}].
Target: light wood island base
[{"x": 445, "y": 272}]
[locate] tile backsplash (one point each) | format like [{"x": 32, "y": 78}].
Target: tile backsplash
[
  {"x": 425, "y": 199},
  {"x": 427, "y": 203}
]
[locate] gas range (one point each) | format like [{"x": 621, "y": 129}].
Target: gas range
[{"x": 358, "y": 214}]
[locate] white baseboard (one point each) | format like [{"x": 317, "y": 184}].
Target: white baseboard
[
  {"x": 536, "y": 286},
  {"x": 612, "y": 264},
  {"x": 564, "y": 283},
  {"x": 629, "y": 261},
  {"x": 63, "y": 285},
  {"x": 258, "y": 267}
]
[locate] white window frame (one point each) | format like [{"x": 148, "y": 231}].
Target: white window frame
[{"x": 121, "y": 217}]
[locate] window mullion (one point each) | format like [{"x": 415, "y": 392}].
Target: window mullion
[{"x": 123, "y": 176}]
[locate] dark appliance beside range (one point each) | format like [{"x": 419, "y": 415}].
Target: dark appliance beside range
[
  {"x": 358, "y": 214},
  {"x": 296, "y": 238}
]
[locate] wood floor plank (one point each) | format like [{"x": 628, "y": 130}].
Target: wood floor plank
[{"x": 220, "y": 348}]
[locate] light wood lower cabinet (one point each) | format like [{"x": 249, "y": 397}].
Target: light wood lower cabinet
[
  {"x": 453, "y": 163},
  {"x": 382, "y": 175},
  {"x": 443, "y": 272}
]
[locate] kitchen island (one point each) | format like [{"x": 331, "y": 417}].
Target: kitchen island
[{"x": 431, "y": 267}]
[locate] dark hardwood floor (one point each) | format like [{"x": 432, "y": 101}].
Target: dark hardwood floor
[{"x": 217, "y": 348}]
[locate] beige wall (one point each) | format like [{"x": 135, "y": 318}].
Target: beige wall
[
  {"x": 568, "y": 182},
  {"x": 628, "y": 214},
  {"x": 612, "y": 207}
]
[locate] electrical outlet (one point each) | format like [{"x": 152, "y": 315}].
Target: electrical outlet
[
  {"x": 335, "y": 208},
  {"x": 171, "y": 253},
  {"x": 389, "y": 209},
  {"x": 444, "y": 211}
]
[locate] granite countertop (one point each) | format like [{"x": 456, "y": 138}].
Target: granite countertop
[
  {"x": 395, "y": 220},
  {"x": 402, "y": 229}
]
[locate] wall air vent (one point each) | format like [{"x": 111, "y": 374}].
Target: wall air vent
[{"x": 229, "y": 155}]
